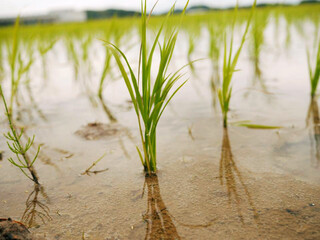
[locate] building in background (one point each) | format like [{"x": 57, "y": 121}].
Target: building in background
[{"x": 59, "y": 16}]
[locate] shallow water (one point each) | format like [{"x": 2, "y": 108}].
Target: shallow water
[{"x": 236, "y": 184}]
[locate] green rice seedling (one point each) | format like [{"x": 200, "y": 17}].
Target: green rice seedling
[
  {"x": 18, "y": 148},
  {"x": 315, "y": 73},
  {"x": 215, "y": 41},
  {"x": 85, "y": 45},
  {"x": 151, "y": 98},
  {"x": 108, "y": 55},
  {"x": 190, "y": 51},
  {"x": 106, "y": 69},
  {"x": 43, "y": 49},
  {"x": 1, "y": 62},
  {"x": 257, "y": 39},
  {"x": 229, "y": 67},
  {"x": 73, "y": 56},
  {"x": 17, "y": 65}
]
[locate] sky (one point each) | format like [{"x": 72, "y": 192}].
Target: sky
[{"x": 11, "y": 8}]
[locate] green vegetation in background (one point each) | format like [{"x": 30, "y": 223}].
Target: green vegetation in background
[{"x": 153, "y": 97}]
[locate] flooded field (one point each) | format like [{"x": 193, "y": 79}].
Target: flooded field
[{"x": 212, "y": 182}]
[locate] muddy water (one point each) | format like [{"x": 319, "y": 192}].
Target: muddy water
[{"x": 212, "y": 183}]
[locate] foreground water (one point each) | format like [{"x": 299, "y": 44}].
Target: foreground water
[{"x": 212, "y": 183}]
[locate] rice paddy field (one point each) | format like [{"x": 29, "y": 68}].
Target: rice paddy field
[{"x": 257, "y": 178}]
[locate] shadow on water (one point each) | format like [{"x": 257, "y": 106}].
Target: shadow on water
[
  {"x": 36, "y": 212},
  {"x": 313, "y": 118},
  {"x": 159, "y": 221},
  {"x": 231, "y": 177}
]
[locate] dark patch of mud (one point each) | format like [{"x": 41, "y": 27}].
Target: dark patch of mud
[
  {"x": 96, "y": 131},
  {"x": 13, "y": 230}
]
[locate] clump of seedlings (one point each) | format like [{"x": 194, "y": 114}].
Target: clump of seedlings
[
  {"x": 314, "y": 74},
  {"x": 15, "y": 144},
  {"x": 149, "y": 98},
  {"x": 229, "y": 67}
]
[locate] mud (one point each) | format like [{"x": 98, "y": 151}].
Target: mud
[
  {"x": 13, "y": 230},
  {"x": 95, "y": 131}
]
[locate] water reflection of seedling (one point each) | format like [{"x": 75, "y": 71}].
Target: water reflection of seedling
[
  {"x": 231, "y": 177},
  {"x": 314, "y": 117},
  {"x": 16, "y": 146},
  {"x": 190, "y": 132},
  {"x": 229, "y": 67},
  {"x": 159, "y": 222},
  {"x": 315, "y": 73},
  {"x": 151, "y": 100},
  {"x": 35, "y": 208}
]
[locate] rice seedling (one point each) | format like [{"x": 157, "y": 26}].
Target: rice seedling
[
  {"x": 43, "y": 50},
  {"x": 18, "y": 67},
  {"x": 73, "y": 56},
  {"x": 18, "y": 148},
  {"x": 257, "y": 40},
  {"x": 106, "y": 69},
  {"x": 229, "y": 67},
  {"x": 315, "y": 73},
  {"x": 85, "y": 53},
  {"x": 215, "y": 38},
  {"x": 1, "y": 63},
  {"x": 190, "y": 51},
  {"x": 88, "y": 170},
  {"x": 151, "y": 100}
]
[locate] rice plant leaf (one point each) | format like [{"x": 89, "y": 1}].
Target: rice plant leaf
[{"x": 258, "y": 126}]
